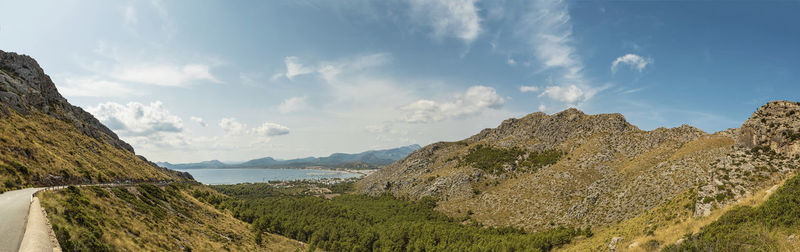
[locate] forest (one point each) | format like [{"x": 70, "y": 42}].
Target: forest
[{"x": 362, "y": 223}]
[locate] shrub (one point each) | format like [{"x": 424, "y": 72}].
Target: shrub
[
  {"x": 746, "y": 228},
  {"x": 492, "y": 159}
]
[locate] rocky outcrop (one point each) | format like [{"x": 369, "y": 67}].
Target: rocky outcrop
[
  {"x": 24, "y": 87},
  {"x": 46, "y": 141},
  {"x": 776, "y": 126},
  {"x": 611, "y": 171}
]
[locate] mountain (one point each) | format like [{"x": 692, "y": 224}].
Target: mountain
[
  {"x": 571, "y": 168},
  {"x": 204, "y": 164},
  {"x": 44, "y": 140},
  {"x": 363, "y": 160}
]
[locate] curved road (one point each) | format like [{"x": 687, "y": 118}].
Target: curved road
[{"x": 14, "y": 206}]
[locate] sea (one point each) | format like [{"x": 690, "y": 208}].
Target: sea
[{"x": 228, "y": 176}]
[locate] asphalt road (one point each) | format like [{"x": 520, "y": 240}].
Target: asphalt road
[{"x": 14, "y": 206}]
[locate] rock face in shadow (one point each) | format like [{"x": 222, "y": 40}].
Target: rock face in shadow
[{"x": 25, "y": 87}]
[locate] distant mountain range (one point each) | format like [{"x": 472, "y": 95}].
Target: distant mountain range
[{"x": 364, "y": 160}]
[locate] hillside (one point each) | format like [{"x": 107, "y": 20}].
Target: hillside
[
  {"x": 147, "y": 217},
  {"x": 364, "y": 160},
  {"x": 46, "y": 141},
  {"x": 571, "y": 168}
]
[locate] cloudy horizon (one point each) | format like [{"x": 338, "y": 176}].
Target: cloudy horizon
[{"x": 183, "y": 81}]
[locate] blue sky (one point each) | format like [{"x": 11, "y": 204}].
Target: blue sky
[{"x": 187, "y": 81}]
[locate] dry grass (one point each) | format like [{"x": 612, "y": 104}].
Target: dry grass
[
  {"x": 672, "y": 221},
  {"x": 37, "y": 149},
  {"x": 179, "y": 223}
]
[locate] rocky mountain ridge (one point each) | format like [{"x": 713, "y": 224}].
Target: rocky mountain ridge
[
  {"x": 44, "y": 140},
  {"x": 609, "y": 170},
  {"x": 24, "y": 87},
  {"x": 363, "y": 160}
]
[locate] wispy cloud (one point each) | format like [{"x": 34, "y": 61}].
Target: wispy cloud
[
  {"x": 632, "y": 60},
  {"x": 117, "y": 74},
  {"x": 526, "y": 89},
  {"x": 198, "y": 120},
  {"x": 330, "y": 70},
  {"x": 163, "y": 74},
  {"x": 547, "y": 28},
  {"x": 293, "y": 104},
  {"x": 294, "y": 68},
  {"x": 94, "y": 86},
  {"x": 448, "y": 18},
  {"x": 129, "y": 15}
]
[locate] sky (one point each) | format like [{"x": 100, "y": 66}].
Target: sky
[{"x": 187, "y": 81}]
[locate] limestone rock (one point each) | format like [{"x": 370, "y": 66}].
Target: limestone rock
[
  {"x": 612, "y": 246},
  {"x": 612, "y": 171},
  {"x": 25, "y": 87}
]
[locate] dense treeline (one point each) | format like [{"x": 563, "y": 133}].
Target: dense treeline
[
  {"x": 363, "y": 223},
  {"x": 492, "y": 159},
  {"x": 750, "y": 228}
]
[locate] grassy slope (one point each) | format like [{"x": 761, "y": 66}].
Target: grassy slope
[
  {"x": 37, "y": 149},
  {"x": 149, "y": 218},
  {"x": 668, "y": 223},
  {"x": 766, "y": 227}
]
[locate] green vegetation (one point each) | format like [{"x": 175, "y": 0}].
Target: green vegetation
[
  {"x": 147, "y": 217},
  {"x": 81, "y": 214},
  {"x": 747, "y": 228},
  {"x": 492, "y": 159},
  {"x": 362, "y": 223}
]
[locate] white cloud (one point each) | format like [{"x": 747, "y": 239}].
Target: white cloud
[
  {"x": 198, "y": 120},
  {"x": 293, "y": 104},
  {"x": 511, "y": 61},
  {"x": 449, "y": 18},
  {"x": 330, "y": 70},
  {"x": 93, "y": 86},
  {"x": 542, "y": 107},
  {"x": 163, "y": 74},
  {"x": 136, "y": 119},
  {"x": 526, "y": 89},
  {"x": 232, "y": 126},
  {"x": 294, "y": 68},
  {"x": 113, "y": 73},
  {"x": 547, "y": 28},
  {"x": 129, "y": 16},
  {"x": 634, "y": 61},
  {"x": 570, "y": 94},
  {"x": 549, "y": 32},
  {"x": 269, "y": 129},
  {"x": 472, "y": 102}
]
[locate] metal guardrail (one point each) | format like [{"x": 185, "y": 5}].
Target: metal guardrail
[{"x": 60, "y": 187}]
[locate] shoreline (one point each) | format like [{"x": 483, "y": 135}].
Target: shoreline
[{"x": 311, "y": 174}]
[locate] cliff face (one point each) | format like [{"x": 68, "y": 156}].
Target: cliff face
[
  {"x": 44, "y": 140},
  {"x": 24, "y": 87},
  {"x": 605, "y": 169},
  {"x": 776, "y": 126}
]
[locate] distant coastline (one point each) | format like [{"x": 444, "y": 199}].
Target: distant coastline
[{"x": 222, "y": 176}]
